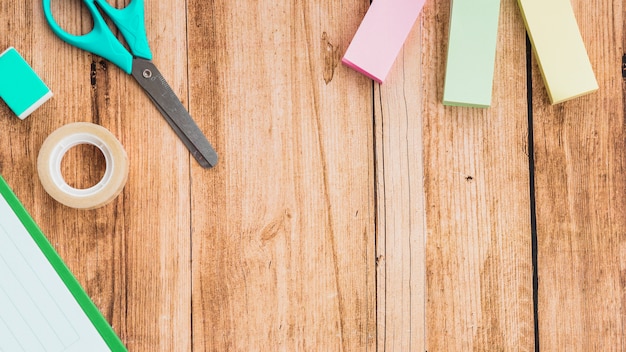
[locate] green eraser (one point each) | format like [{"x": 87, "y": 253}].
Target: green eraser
[
  {"x": 20, "y": 87},
  {"x": 471, "y": 53}
]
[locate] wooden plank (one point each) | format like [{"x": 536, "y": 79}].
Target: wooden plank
[
  {"x": 401, "y": 227},
  {"x": 157, "y": 201},
  {"x": 478, "y": 251},
  {"x": 283, "y": 230},
  {"x": 580, "y": 183},
  {"x": 88, "y": 247},
  {"x": 132, "y": 256}
]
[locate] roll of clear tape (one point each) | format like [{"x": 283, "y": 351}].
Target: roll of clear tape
[{"x": 60, "y": 142}]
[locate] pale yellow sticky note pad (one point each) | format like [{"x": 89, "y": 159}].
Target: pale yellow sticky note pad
[{"x": 559, "y": 48}]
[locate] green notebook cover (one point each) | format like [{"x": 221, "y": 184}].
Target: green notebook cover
[{"x": 25, "y": 254}]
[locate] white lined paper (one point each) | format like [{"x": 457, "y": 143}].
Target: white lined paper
[{"x": 37, "y": 310}]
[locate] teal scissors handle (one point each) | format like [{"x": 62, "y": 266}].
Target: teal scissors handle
[{"x": 101, "y": 41}]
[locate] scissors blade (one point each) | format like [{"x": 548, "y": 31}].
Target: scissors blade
[{"x": 164, "y": 98}]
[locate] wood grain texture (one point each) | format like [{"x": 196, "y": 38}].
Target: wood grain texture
[
  {"x": 343, "y": 215},
  {"x": 580, "y": 187},
  {"x": 132, "y": 256},
  {"x": 157, "y": 202},
  {"x": 476, "y": 180},
  {"x": 283, "y": 230},
  {"x": 401, "y": 225}
]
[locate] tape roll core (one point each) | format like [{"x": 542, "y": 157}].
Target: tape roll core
[{"x": 60, "y": 142}]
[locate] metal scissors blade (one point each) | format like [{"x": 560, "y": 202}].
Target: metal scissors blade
[{"x": 153, "y": 83}]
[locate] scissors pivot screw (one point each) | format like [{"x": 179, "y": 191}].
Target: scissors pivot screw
[{"x": 147, "y": 73}]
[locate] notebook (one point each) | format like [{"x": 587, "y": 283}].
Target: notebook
[{"x": 42, "y": 306}]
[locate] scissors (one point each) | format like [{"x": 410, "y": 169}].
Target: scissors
[{"x": 137, "y": 62}]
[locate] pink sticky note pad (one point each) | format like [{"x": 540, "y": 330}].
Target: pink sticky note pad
[{"x": 381, "y": 35}]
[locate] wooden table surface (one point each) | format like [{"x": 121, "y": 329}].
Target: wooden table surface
[{"x": 343, "y": 215}]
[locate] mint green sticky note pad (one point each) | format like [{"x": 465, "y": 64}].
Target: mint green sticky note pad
[
  {"x": 20, "y": 87},
  {"x": 471, "y": 53}
]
